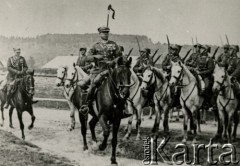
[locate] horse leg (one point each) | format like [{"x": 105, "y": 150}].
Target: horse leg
[
  {"x": 203, "y": 117},
  {"x": 129, "y": 128},
  {"x": 92, "y": 125},
  {"x": 106, "y": 132},
  {"x": 165, "y": 120},
  {"x": 150, "y": 113},
  {"x": 235, "y": 121},
  {"x": 224, "y": 122},
  {"x": 178, "y": 111},
  {"x": 83, "y": 120},
  {"x": 30, "y": 111},
  {"x": 139, "y": 121},
  {"x": 72, "y": 116},
  {"x": 19, "y": 113},
  {"x": 2, "y": 111},
  {"x": 10, "y": 117},
  {"x": 185, "y": 126},
  {"x": 194, "y": 124},
  {"x": 229, "y": 128},
  {"x": 198, "y": 121},
  {"x": 114, "y": 141},
  {"x": 157, "y": 121}
]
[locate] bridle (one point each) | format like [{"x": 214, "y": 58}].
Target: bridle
[
  {"x": 221, "y": 84},
  {"x": 179, "y": 78},
  {"x": 62, "y": 78},
  {"x": 28, "y": 90},
  {"x": 72, "y": 82}
]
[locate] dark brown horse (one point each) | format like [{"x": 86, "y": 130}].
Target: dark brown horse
[
  {"x": 109, "y": 102},
  {"x": 22, "y": 99}
]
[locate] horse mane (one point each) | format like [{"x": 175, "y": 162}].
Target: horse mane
[
  {"x": 159, "y": 73},
  {"x": 189, "y": 74}
]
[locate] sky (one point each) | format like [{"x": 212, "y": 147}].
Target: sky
[{"x": 208, "y": 20}]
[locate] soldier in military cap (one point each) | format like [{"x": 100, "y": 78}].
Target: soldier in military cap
[
  {"x": 17, "y": 68},
  {"x": 235, "y": 75},
  {"x": 233, "y": 59},
  {"x": 205, "y": 68},
  {"x": 104, "y": 54},
  {"x": 223, "y": 59},
  {"x": 173, "y": 55},
  {"x": 144, "y": 59},
  {"x": 82, "y": 60},
  {"x": 192, "y": 60}
]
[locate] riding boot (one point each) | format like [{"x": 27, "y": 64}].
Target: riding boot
[{"x": 89, "y": 99}]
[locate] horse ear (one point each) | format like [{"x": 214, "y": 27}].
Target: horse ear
[
  {"x": 180, "y": 63},
  {"x": 129, "y": 62},
  {"x": 120, "y": 61}
]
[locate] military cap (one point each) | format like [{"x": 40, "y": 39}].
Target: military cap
[
  {"x": 197, "y": 45},
  {"x": 226, "y": 46},
  {"x": 235, "y": 47},
  {"x": 16, "y": 49},
  {"x": 176, "y": 47},
  {"x": 121, "y": 48},
  {"x": 206, "y": 47},
  {"x": 103, "y": 29},
  {"x": 83, "y": 48},
  {"x": 147, "y": 50}
]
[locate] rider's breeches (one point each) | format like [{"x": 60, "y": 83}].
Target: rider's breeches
[{"x": 96, "y": 80}]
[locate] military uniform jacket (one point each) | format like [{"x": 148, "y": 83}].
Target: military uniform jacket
[
  {"x": 15, "y": 65},
  {"x": 168, "y": 59},
  {"x": 192, "y": 60},
  {"x": 223, "y": 60},
  {"x": 205, "y": 66},
  {"x": 105, "y": 51},
  {"x": 236, "y": 72},
  {"x": 232, "y": 64},
  {"x": 138, "y": 67}
]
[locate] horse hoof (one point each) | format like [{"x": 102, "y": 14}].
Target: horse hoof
[
  {"x": 102, "y": 147},
  {"x": 177, "y": 120},
  {"x": 11, "y": 126},
  {"x": 85, "y": 148},
  {"x": 71, "y": 128},
  {"x": 30, "y": 127},
  {"x": 150, "y": 117},
  {"x": 23, "y": 138},
  {"x": 194, "y": 141},
  {"x": 1, "y": 125}
]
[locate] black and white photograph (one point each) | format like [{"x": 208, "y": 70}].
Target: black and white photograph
[{"x": 119, "y": 82}]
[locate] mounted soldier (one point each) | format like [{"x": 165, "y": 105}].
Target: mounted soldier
[
  {"x": 17, "y": 68},
  {"x": 174, "y": 56},
  {"x": 205, "y": 68},
  {"x": 144, "y": 59},
  {"x": 234, "y": 49},
  {"x": 82, "y": 60},
  {"x": 103, "y": 54},
  {"x": 223, "y": 59},
  {"x": 192, "y": 60}
]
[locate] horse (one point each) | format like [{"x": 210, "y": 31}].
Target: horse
[
  {"x": 227, "y": 104},
  {"x": 135, "y": 103},
  {"x": 153, "y": 76},
  {"x": 68, "y": 92},
  {"x": 22, "y": 99},
  {"x": 109, "y": 109},
  {"x": 190, "y": 100},
  {"x": 3, "y": 97},
  {"x": 75, "y": 99}
]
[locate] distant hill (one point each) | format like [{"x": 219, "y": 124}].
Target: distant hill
[{"x": 44, "y": 48}]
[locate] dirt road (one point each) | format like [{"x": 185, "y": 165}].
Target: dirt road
[{"x": 50, "y": 133}]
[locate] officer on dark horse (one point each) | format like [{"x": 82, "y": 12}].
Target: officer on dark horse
[{"x": 17, "y": 68}]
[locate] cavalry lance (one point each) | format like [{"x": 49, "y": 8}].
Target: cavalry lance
[
  {"x": 214, "y": 54},
  {"x": 113, "y": 14},
  {"x": 129, "y": 53},
  {"x": 168, "y": 44},
  {"x": 155, "y": 53}
]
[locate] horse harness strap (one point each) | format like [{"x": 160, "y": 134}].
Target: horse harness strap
[
  {"x": 189, "y": 94},
  {"x": 165, "y": 91}
]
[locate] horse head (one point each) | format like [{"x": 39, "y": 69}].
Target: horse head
[
  {"x": 121, "y": 77},
  {"x": 176, "y": 72},
  {"x": 148, "y": 78},
  {"x": 72, "y": 76},
  {"x": 28, "y": 83},
  {"x": 220, "y": 76},
  {"x": 61, "y": 73}
]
